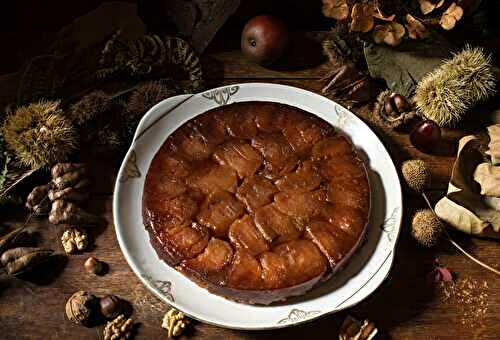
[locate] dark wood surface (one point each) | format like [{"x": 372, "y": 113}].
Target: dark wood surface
[{"x": 405, "y": 306}]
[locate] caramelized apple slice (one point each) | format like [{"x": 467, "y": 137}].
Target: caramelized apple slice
[
  {"x": 345, "y": 167},
  {"x": 302, "y": 133},
  {"x": 240, "y": 156},
  {"x": 210, "y": 177},
  {"x": 256, "y": 191},
  {"x": 218, "y": 211},
  {"x": 186, "y": 241},
  {"x": 245, "y": 272},
  {"x": 274, "y": 225},
  {"x": 300, "y": 205},
  {"x": 305, "y": 178},
  {"x": 351, "y": 220},
  {"x": 278, "y": 154},
  {"x": 213, "y": 263},
  {"x": 332, "y": 242},
  {"x": 244, "y": 235},
  {"x": 353, "y": 192},
  {"x": 332, "y": 147}
]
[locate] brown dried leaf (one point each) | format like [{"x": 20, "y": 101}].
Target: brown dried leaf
[
  {"x": 362, "y": 17},
  {"x": 427, "y": 6},
  {"x": 390, "y": 33},
  {"x": 336, "y": 9},
  {"x": 450, "y": 17},
  {"x": 488, "y": 177},
  {"x": 416, "y": 30},
  {"x": 494, "y": 145},
  {"x": 379, "y": 15}
]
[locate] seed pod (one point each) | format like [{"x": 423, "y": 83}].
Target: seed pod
[
  {"x": 20, "y": 260},
  {"x": 7, "y": 241}
]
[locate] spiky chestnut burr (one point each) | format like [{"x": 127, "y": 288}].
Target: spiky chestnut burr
[
  {"x": 39, "y": 134},
  {"x": 447, "y": 93}
]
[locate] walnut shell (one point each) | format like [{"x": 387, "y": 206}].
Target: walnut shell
[{"x": 79, "y": 307}]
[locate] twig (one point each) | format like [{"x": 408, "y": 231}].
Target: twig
[
  {"x": 456, "y": 245},
  {"x": 23, "y": 177}
]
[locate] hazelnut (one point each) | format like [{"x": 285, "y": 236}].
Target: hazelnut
[
  {"x": 111, "y": 306},
  {"x": 93, "y": 266},
  {"x": 396, "y": 104}
]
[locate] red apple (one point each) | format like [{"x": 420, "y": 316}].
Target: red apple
[{"x": 264, "y": 39}]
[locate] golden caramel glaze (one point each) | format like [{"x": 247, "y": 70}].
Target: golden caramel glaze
[{"x": 256, "y": 201}]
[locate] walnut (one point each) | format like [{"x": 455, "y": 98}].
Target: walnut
[
  {"x": 175, "y": 322},
  {"x": 37, "y": 200},
  {"x": 353, "y": 329},
  {"x": 74, "y": 239},
  {"x": 119, "y": 328},
  {"x": 68, "y": 180},
  {"x": 64, "y": 212},
  {"x": 79, "y": 307}
]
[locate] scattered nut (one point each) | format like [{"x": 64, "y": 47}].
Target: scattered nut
[
  {"x": 174, "y": 322},
  {"x": 93, "y": 266},
  {"x": 353, "y": 329},
  {"x": 37, "y": 200},
  {"x": 79, "y": 307},
  {"x": 74, "y": 239},
  {"x": 111, "y": 306},
  {"x": 119, "y": 328}
]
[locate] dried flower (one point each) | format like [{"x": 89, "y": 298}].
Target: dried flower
[
  {"x": 390, "y": 33},
  {"x": 379, "y": 15},
  {"x": 445, "y": 94},
  {"x": 39, "y": 134},
  {"x": 416, "y": 175},
  {"x": 451, "y": 16},
  {"x": 90, "y": 107},
  {"x": 336, "y": 9},
  {"x": 146, "y": 96},
  {"x": 427, "y": 6},
  {"x": 175, "y": 322},
  {"x": 362, "y": 17},
  {"x": 74, "y": 239},
  {"x": 416, "y": 30},
  {"x": 119, "y": 328},
  {"x": 426, "y": 228},
  {"x": 23, "y": 259},
  {"x": 79, "y": 307},
  {"x": 440, "y": 273},
  {"x": 353, "y": 329}
]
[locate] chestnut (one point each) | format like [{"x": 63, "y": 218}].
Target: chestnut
[
  {"x": 396, "y": 104},
  {"x": 111, "y": 306}
]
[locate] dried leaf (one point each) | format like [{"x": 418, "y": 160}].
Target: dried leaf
[
  {"x": 450, "y": 17},
  {"x": 463, "y": 207},
  {"x": 427, "y": 6},
  {"x": 362, "y": 18},
  {"x": 336, "y": 9},
  {"x": 488, "y": 177},
  {"x": 379, "y": 15},
  {"x": 391, "y": 33},
  {"x": 416, "y": 29},
  {"x": 494, "y": 145}
]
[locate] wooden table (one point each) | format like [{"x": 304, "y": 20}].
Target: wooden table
[{"x": 403, "y": 307}]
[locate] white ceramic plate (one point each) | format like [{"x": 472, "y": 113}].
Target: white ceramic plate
[{"x": 364, "y": 273}]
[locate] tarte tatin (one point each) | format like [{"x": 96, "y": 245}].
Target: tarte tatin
[{"x": 256, "y": 201}]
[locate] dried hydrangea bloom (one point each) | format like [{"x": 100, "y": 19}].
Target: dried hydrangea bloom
[
  {"x": 427, "y": 6},
  {"x": 390, "y": 33},
  {"x": 379, "y": 15},
  {"x": 362, "y": 17},
  {"x": 451, "y": 16},
  {"x": 336, "y": 9},
  {"x": 416, "y": 30}
]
